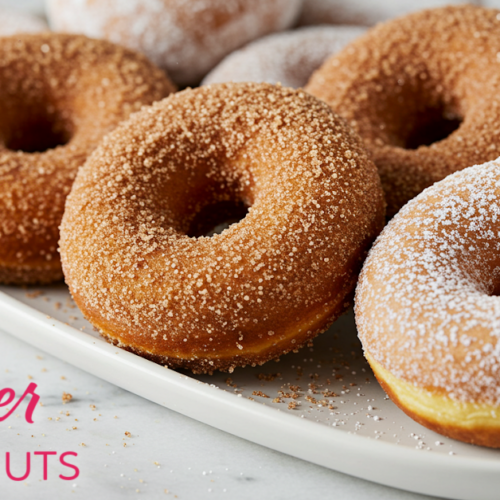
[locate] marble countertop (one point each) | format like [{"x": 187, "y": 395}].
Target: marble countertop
[{"x": 128, "y": 447}]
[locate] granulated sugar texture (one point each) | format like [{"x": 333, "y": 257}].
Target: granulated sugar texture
[{"x": 263, "y": 286}]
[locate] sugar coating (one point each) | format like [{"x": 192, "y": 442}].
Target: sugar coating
[
  {"x": 427, "y": 305},
  {"x": 365, "y": 12},
  {"x": 185, "y": 37},
  {"x": 405, "y": 74},
  {"x": 12, "y": 22},
  {"x": 288, "y": 58},
  {"x": 262, "y": 287},
  {"x": 80, "y": 89}
]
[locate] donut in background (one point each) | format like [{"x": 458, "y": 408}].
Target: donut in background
[
  {"x": 186, "y": 38},
  {"x": 59, "y": 95},
  {"x": 288, "y": 58},
  {"x": 425, "y": 105}
]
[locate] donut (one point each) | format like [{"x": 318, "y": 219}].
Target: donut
[
  {"x": 150, "y": 281},
  {"x": 12, "y": 22},
  {"x": 288, "y": 58},
  {"x": 428, "y": 311},
  {"x": 59, "y": 95},
  {"x": 363, "y": 12},
  {"x": 425, "y": 105},
  {"x": 187, "y": 39}
]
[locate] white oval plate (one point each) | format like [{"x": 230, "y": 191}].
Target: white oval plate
[{"x": 321, "y": 404}]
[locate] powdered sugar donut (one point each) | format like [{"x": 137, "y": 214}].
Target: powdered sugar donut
[
  {"x": 289, "y": 58},
  {"x": 12, "y": 22},
  {"x": 428, "y": 306},
  {"x": 187, "y": 38},
  {"x": 365, "y": 12}
]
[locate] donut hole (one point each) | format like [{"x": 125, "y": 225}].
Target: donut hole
[
  {"x": 430, "y": 126},
  {"x": 488, "y": 279},
  {"x": 215, "y": 217},
  {"x": 37, "y": 131}
]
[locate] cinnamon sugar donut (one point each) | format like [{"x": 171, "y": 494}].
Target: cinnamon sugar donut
[
  {"x": 59, "y": 95},
  {"x": 12, "y": 22},
  {"x": 187, "y": 38},
  {"x": 423, "y": 92},
  {"x": 288, "y": 58},
  {"x": 262, "y": 287},
  {"x": 428, "y": 311}
]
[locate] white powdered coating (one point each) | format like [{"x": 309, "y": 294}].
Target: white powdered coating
[
  {"x": 185, "y": 37},
  {"x": 426, "y": 308},
  {"x": 12, "y": 22},
  {"x": 288, "y": 58},
  {"x": 365, "y": 12}
]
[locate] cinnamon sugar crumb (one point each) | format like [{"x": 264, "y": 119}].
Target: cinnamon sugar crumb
[
  {"x": 259, "y": 393},
  {"x": 66, "y": 398}
]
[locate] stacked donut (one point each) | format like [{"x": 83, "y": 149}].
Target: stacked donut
[{"x": 394, "y": 114}]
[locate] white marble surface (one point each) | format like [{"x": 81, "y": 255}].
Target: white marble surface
[{"x": 166, "y": 456}]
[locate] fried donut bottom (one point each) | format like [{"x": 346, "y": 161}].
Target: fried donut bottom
[{"x": 475, "y": 423}]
